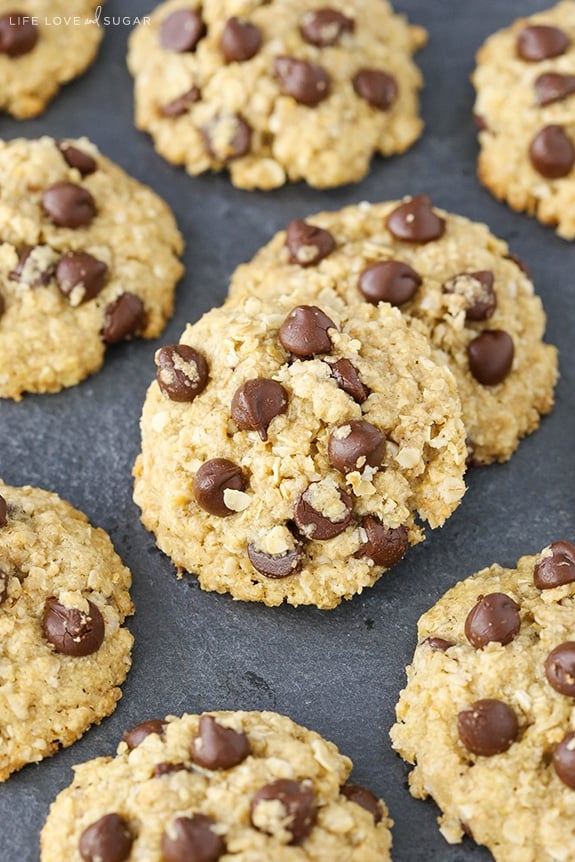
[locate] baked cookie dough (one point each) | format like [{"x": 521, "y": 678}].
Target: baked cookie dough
[
  {"x": 277, "y": 91},
  {"x": 63, "y": 651},
  {"x": 88, "y": 257},
  {"x": 525, "y": 110},
  {"x": 286, "y": 452},
  {"x": 474, "y": 298},
  {"x": 248, "y": 786},
  {"x": 488, "y": 716},
  {"x": 43, "y": 44}
]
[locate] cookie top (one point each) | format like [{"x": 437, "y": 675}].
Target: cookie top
[
  {"x": 277, "y": 91},
  {"x": 63, "y": 598},
  {"x": 525, "y": 109},
  {"x": 248, "y": 785},
  {"x": 475, "y": 300},
  {"x": 286, "y": 452},
  {"x": 88, "y": 257},
  {"x": 488, "y": 714},
  {"x": 42, "y": 46}
]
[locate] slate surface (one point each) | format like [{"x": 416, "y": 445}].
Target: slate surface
[{"x": 338, "y": 671}]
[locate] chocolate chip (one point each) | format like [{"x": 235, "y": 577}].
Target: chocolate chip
[
  {"x": 347, "y": 378},
  {"x": 123, "y": 318},
  {"x": 276, "y": 565},
  {"x": 161, "y": 769},
  {"x": 438, "y": 644},
  {"x": 256, "y": 402},
  {"x": 211, "y": 482},
  {"x": 36, "y": 277},
  {"x": 192, "y": 839},
  {"x": 181, "y": 31},
  {"x": 495, "y": 617},
  {"x": 71, "y": 631},
  {"x": 298, "y": 809},
  {"x": 564, "y": 760},
  {"x": 384, "y": 545},
  {"x": 218, "y": 747},
  {"x": 182, "y": 372},
  {"x": 308, "y": 244},
  {"x": 227, "y": 137},
  {"x": 477, "y": 290},
  {"x": 18, "y": 34},
  {"x": 313, "y": 524},
  {"x": 75, "y": 158},
  {"x": 480, "y": 122},
  {"x": 560, "y": 668},
  {"x": 540, "y": 42},
  {"x": 556, "y": 566},
  {"x": 416, "y": 221},
  {"x": 3, "y": 512},
  {"x": 107, "y": 840},
  {"x": 553, "y": 87},
  {"x": 552, "y": 152},
  {"x": 305, "y": 82},
  {"x": 137, "y": 734},
  {"x": 325, "y": 26},
  {"x": 304, "y": 332},
  {"x": 179, "y": 106},
  {"x": 519, "y": 263},
  {"x": 364, "y": 797},
  {"x": 81, "y": 276},
  {"x": 490, "y": 356},
  {"x": 389, "y": 281},
  {"x": 376, "y": 87},
  {"x": 489, "y": 727},
  {"x": 3, "y": 586},
  {"x": 241, "y": 40},
  {"x": 69, "y": 205},
  {"x": 356, "y": 445}
]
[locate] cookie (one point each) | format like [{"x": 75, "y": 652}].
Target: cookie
[
  {"x": 487, "y": 715},
  {"x": 253, "y": 786},
  {"x": 286, "y": 453},
  {"x": 525, "y": 109},
  {"x": 88, "y": 257},
  {"x": 277, "y": 91},
  {"x": 63, "y": 599},
  {"x": 42, "y": 46},
  {"x": 474, "y": 298}
]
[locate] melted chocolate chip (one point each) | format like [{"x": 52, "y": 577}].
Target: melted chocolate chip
[
  {"x": 123, "y": 318},
  {"x": 107, "y": 840},
  {"x": 314, "y": 525},
  {"x": 276, "y": 565},
  {"x": 182, "y": 372},
  {"x": 256, "y": 403},
  {"x": 477, "y": 290},
  {"x": 192, "y": 839},
  {"x": 356, "y": 445},
  {"x": 227, "y": 137},
  {"x": 416, "y": 221},
  {"x": 308, "y": 244},
  {"x": 556, "y": 566},
  {"x": 560, "y": 668},
  {"x": 305, "y": 82},
  {"x": 218, "y": 747},
  {"x": 73, "y": 632},
  {"x": 489, "y": 727},
  {"x": 241, "y": 40},
  {"x": 212, "y": 480},
  {"x": 364, "y": 797},
  {"x": 438, "y": 644},
  {"x": 69, "y": 205},
  {"x": 3, "y": 512},
  {"x": 553, "y": 87},
  {"x": 564, "y": 760},
  {"x": 181, "y": 31},
  {"x": 552, "y": 152},
  {"x": 299, "y": 808},
  {"x": 386, "y": 546},
  {"x": 76, "y": 158},
  {"x": 137, "y": 734},
  {"x": 179, "y": 106},
  {"x": 490, "y": 356},
  {"x": 347, "y": 378},
  {"x": 18, "y": 34},
  {"x": 376, "y": 87},
  {"x": 324, "y": 27},
  {"x": 81, "y": 276},
  {"x": 389, "y": 281},
  {"x": 41, "y": 278},
  {"x": 540, "y": 42},
  {"x": 161, "y": 769},
  {"x": 495, "y": 617},
  {"x": 304, "y": 332}
]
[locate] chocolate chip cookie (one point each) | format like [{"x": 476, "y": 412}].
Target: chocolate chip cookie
[
  {"x": 248, "y": 785},
  {"x": 88, "y": 258},
  {"x": 487, "y": 715},
  {"x": 286, "y": 452},
  {"x": 277, "y": 91},
  {"x": 525, "y": 109},
  {"x": 475, "y": 300},
  {"x": 42, "y": 46},
  {"x": 63, "y": 651}
]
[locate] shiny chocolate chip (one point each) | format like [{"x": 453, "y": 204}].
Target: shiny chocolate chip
[
  {"x": 364, "y": 797},
  {"x": 137, "y": 734},
  {"x": 307, "y": 83},
  {"x": 211, "y": 482},
  {"x": 324, "y": 27},
  {"x": 123, "y": 318},
  {"x": 256, "y": 402},
  {"x": 560, "y": 668},
  {"x": 182, "y": 372},
  {"x": 240, "y": 41},
  {"x": 490, "y": 356},
  {"x": 18, "y": 33},
  {"x": 540, "y": 42},
  {"x": 227, "y": 137},
  {"x": 495, "y": 617},
  {"x": 71, "y": 631},
  {"x": 3, "y": 512},
  {"x": 181, "y": 31},
  {"x": 81, "y": 276},
  {"x": 489, "y": 727},
  {"x": 69, "y": 205},
  {"x": 37, "y": 278},
  {"x": 377, "y": 88},
  {"x": 276, "y": 565},
  {"x": 552, "y": 152},
  {"x": 356, "y": 445},
  {"x": 416, "y": 221},
  {"x": 347, "y": 378},
  {"x": 386, "y": 546},
  {"x": 76, "y": 158},
  {"x": 218, "y": 747},
  {"x": 553, "y": 87},
  {"x": 107, "y": 840},
  {"x": 304, "y": 332},
  {"x": 313, "y": 524},
  {"x": 389, "y": 281},
  {"x": 179, "y": 106},
  {"x": 308, "y": 244},
  {"x": 438, "y": 644},
  {"x": 477, "y": 290},
  {"x": 297, "y": 804},
  {"x": 564, "y": 760},
  {"x": 556, "y": 566},
  {"x": 192, "y": 839}
]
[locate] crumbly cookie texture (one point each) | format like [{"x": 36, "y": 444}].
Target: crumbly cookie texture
[
  {"x": 330, "y": 447},
  {"x": 487, "y": 716},
  {"x": 525, "y": 110},
  {"x": 88, "y": 257},
  {"x": 277, "y": 91},
  {"x": 43, "y": 44},
  {"x": 63, "y": 600},
  {"x": 251, "y": 786},
  {"x": 451, "y": 274}
]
